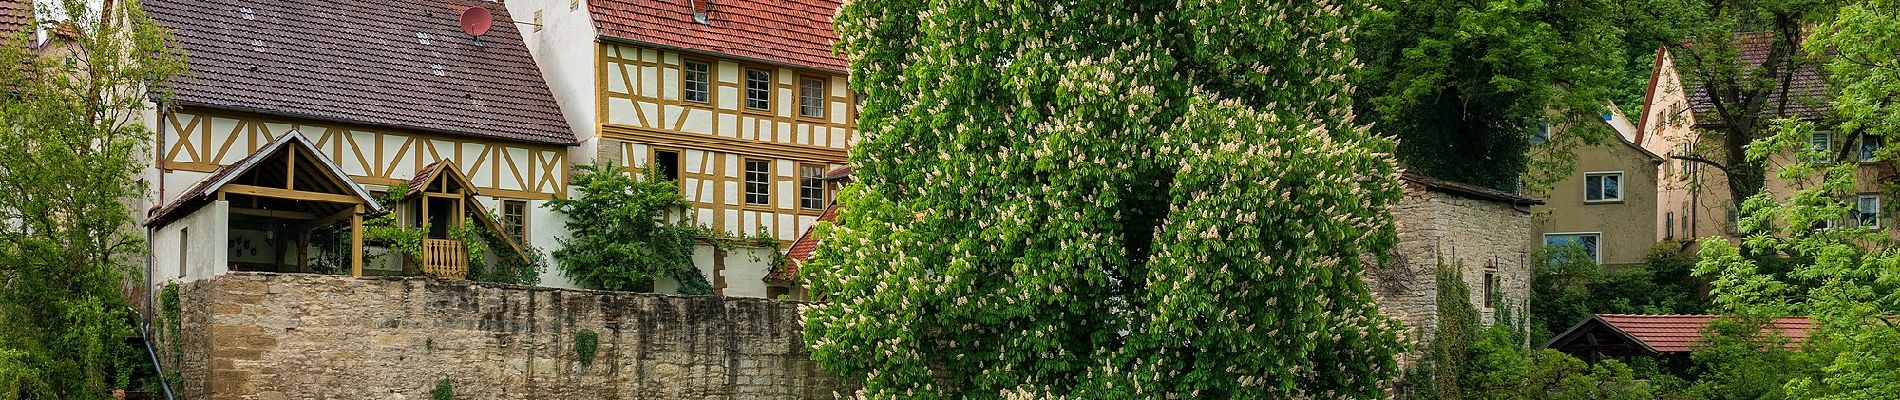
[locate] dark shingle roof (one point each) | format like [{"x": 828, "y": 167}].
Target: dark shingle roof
[
  {"x": 791, "y": 32},
  {"x": 403, "y": 64},
  {"x": 1466, "y": 189},
  {"x": 1806, "y": 89}
]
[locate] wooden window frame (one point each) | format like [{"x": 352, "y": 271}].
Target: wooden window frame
[
  {"x": 824, "y": 98},
  {"x": 1490, "y": 288},
  {"x": 711, "y": 89},
  {"x": 745, "y": 182},
  {"x": 521, "y": 232},
  {"x": 822, "y": 190},
  {"x": 653, "y": 157},
  {"x": 745, "y": 89}
]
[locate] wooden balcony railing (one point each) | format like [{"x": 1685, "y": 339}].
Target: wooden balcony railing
[{"x": 444, "y": 258}]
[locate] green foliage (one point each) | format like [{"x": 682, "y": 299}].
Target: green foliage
[
  {"x": 70, "y": 146},
  {"x": 1846, "y": 278},
  {"x": 444, "y": 390},
  {"x": 1464, "y": 84},
  {"x": 620, "y": 238},
  {"x": 1106, "y": 200},
  {"x": 1467, "y": 360},
  {"x": 384, "y": 230},
  {"x": 586, "y": 342},
  {"x": 1739, "y": 360}
]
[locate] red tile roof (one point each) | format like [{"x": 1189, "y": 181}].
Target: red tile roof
[
  {"x": 15, "y": 16},
  {"x": 403, "y": 63},
  {"x": 800, "y": 251},
  {"x": 841, "y": 173},
  {"x": 1806, "y": 89},
  {"x": 794, "y": 33},
  {"x": 1680, "y": 333}
]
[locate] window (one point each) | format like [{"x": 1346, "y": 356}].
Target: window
[
  {"x": 1490, "y": 289},
  {"x": 811, "y": 187},
  {"x": 696, "y": 80},
  {"x": 666, "y": 164},
  {"x": 514, "y": 219},
  {"x": 1542, "y": 134},
  {"x": 1821, "y": 143},
  {"x": 1867, "y": 210},
  {"x": 184, "y": 250},
  {"x": 1686, "y": 165},
  {"x": 1868, "y": 146},
  {"x": 1602, "y": 186},
  {"x": 811, "y": 97},
  {"x": 758, "y": 182},
  {"x": 758, "y": 89},
  {"x": 1591, "y": 242},
  {"x": 1669, "y": 225},
  {"x": 1734, "y": 220}
]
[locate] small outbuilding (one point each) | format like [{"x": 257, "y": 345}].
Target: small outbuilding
[{"x": 1624, "y": 335}]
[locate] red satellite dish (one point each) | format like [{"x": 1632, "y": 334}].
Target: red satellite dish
[{"x": 476, "y": 20}]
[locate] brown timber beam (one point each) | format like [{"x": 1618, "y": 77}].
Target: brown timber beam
[{"x": 289, "y": 194}]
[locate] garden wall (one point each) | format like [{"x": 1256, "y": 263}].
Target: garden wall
[{"x": 284, "y": 336}]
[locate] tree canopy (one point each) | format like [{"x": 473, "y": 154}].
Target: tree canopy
[
  {"x": 1106, "y": 200},
  {"x": 1465, "y": 84},
  {"x": 68, "y": 121}
]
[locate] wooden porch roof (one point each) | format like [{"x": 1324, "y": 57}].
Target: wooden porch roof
[{"x": 320, "y": 184}]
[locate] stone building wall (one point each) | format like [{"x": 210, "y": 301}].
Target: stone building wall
[
  {"x": 1479, "y": 235},
  {"x": 292, "y": 336}
]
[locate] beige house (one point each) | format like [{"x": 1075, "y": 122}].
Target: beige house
[
  {"x": 1693, "y": 199},
  {"x": 1607, "y": 204}
]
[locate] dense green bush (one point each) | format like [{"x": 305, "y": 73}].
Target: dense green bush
[
  {"x": 1467, "y": 360},
  {"x": 620, "y": 238},
  {"x": 1567, "y": 286}
]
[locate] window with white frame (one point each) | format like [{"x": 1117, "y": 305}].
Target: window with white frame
[
  {"x": 758, "y": 89},
  {"x": 811, "y": 187},
  {"x": 811, "y": 97},
  {"x": 1821, "y": 143},
  {"x": 1592, "y": 243},
  {"x": 758, "y": 182},
  {"x": 1603, "y": 186},
  {"x": 1867, "y": 210},
  {"x": 697, "y": 80}
]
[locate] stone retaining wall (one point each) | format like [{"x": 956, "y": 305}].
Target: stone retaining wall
[{"x": 293, "y": 336}]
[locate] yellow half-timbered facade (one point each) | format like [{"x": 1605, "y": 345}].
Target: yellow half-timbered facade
[
  {"x": 748, "y": 143},
  {"x": 741, "y": 102}
]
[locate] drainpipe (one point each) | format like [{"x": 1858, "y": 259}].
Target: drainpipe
[{"x": 158, "y": 155}]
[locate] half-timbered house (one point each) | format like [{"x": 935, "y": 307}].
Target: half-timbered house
[
  {"x": 744, "y": 103},
  {"x": 297, "y": 116}
]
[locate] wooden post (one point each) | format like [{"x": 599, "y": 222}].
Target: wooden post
[
  {"x": 356, "y": 242},
  {"x": 290, "y": 169},
  {"x": 303, "y": 252}
]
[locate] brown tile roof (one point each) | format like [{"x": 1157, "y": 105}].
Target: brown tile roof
[
  {"x": 15, "y": 16},
  {"x": 1806, "y": 89},
  {"x": 403, "y": 64},
  {"x": 1680, "y": 333},
  {"x": 800, "y": 251},
  {"x": 795, "y": 33},
  {"x": 1466, "y": 189},
  {"x": 841, "y": 173}
]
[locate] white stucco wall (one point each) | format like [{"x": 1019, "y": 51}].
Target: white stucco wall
[
  {"x": 564, "y": 50},
  {"x": 202, "y": 248}
]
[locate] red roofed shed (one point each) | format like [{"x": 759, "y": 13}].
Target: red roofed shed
[{"x": 1619, "y": 335}]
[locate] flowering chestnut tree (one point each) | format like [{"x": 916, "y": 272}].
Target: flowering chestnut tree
[{"x": 1117, "y": 199}]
